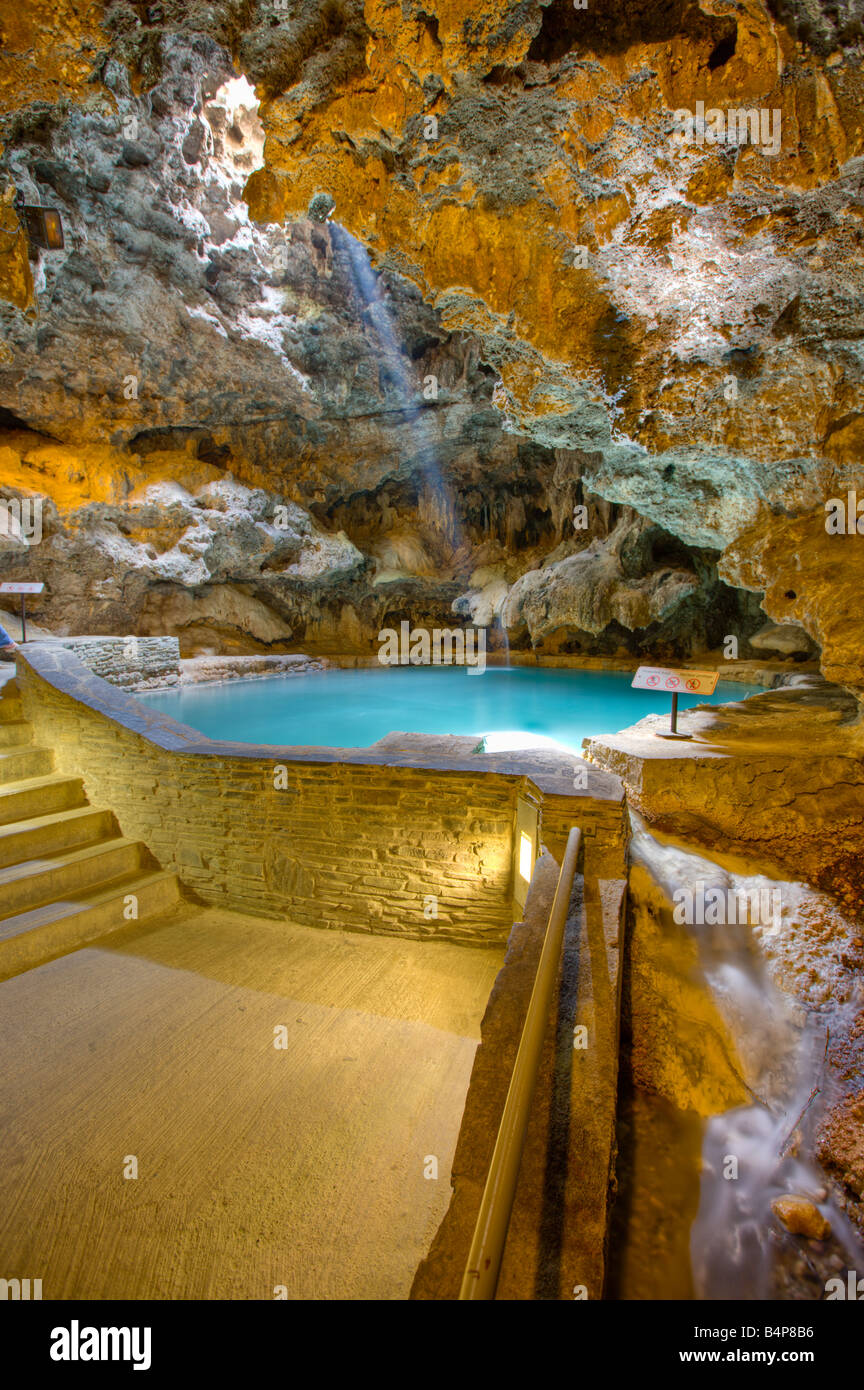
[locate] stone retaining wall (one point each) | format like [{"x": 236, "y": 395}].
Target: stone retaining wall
[
  {"x": 569, "y": 1153},
  {"x": 347, "y": 838},
  {"x": 133, "y": 663}
]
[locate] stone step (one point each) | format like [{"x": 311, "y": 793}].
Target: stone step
[
  {"x": 35, "y": 881},
  {"x": 43, "y": 933},
  {"x": 40, "y": 796},
  {"x": 16, "y": 765},
  {"x": 10, "y": 709},
  {"x": 15, "y": 733},
  {"x": 42, "y": 835}
]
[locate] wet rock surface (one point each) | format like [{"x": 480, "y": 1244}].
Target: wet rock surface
[
  {"x": 713, "y": 820},
  {"x": 801, "y": 1217}
]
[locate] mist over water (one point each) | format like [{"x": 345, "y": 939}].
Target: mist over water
[{"x": 438, "y": 502}]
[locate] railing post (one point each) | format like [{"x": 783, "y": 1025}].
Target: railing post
[{"x": 480, "y": 1279}]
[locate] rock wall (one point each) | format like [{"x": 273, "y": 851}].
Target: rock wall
[
  {"x": 684, "y": 312},
  {"x": 780, "y": 776},
  {"x": 236, "y": 569},
  {"x": 134, "y": 663},
  {"x": 316, "y": 357}
]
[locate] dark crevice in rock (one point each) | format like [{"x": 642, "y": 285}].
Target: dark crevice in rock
[
  {"x": 787, "y": 323},
  {"x": 502, "y": 76},
  {"x": 842, "y": 423},
  {"x": 219, "y": 455},
  {"x": 430, "y": 24},
  {"x": 10, "y": 421},
  {"x": 611, "y": 28},
  {"x": 723, "y": 51},
  {"x": 35, "y": 124}
]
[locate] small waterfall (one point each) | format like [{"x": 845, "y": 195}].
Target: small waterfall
[
  {"x": 736, "y": 1252},
  {"x": 720, "y": 1024},
  {"x": 500, "y": 626},
  {"x": 436, "y": 503}
]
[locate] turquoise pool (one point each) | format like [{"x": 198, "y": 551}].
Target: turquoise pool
[{"x": 514, "y": 706}]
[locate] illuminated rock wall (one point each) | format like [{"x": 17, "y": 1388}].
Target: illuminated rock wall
[{"x": 531, "y": 295}]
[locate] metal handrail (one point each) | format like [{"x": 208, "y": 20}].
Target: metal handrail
[{"x": 480, "y": 1279}]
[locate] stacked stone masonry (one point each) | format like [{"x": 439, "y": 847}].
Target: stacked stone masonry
[
  {"x": 326, "y": 837},
  {"x": 134, "y": 663}
]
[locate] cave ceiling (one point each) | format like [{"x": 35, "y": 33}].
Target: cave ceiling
[{"x": 284, "y": 220}]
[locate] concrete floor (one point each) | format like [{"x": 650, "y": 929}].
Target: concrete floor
[{"x": 257, "y": 1167}]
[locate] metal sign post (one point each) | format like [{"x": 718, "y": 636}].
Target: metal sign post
[
  {"x": 675, "y": 682},
  {"x": 23, "y": 590}
]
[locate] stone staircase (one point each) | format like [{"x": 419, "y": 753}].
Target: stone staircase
[{"x": 67, "y": 873}]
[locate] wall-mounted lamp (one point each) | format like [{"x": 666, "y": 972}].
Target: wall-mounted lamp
[
  {"x": 526, "y": 856},
  {"x": 44, "y": 227},
  {"x": 525, "y": 848}
]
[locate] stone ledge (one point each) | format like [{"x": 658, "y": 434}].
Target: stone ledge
[
  {"x": 552, "y": 773},
  {"x": 133, "y": 663},
  {"x": 215, "y": 670},
  {"x": 350, "y": 838}
]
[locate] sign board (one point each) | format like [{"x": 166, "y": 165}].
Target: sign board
[
  {"x": 21, "y": 588},
  {"x": 675, "y": 682}
]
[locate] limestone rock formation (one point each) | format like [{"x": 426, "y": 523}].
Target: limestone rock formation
[
  {"x": 684, "y": 312},
  {"x": 175, "y": 342},
  {"x": 788, "y": 638},
  {"x": 335, "y": 249}
]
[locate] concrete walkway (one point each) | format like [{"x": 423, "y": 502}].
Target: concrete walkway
[{"x": 258, "y": 1167}]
